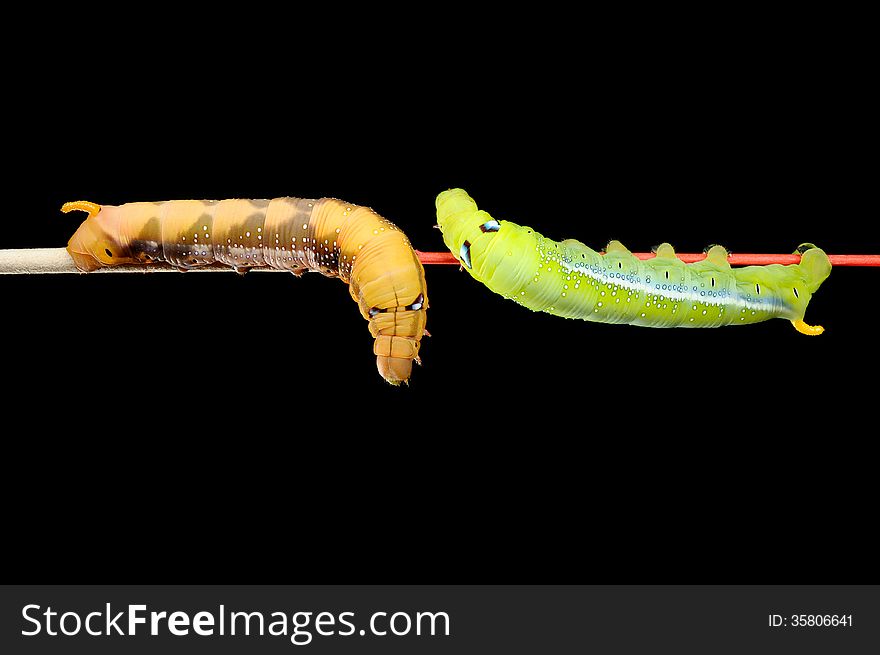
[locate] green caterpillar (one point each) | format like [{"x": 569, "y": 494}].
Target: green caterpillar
[{"x": 569, "y": 279}]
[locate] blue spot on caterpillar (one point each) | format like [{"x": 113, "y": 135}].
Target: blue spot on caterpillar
[{"x": 464, "y": 253}]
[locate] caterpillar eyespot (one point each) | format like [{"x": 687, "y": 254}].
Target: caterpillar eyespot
[
  {"x": 368, "y": 253},
  {"x": 464, "y": 253},
  {"x": 708, "y": 293}
]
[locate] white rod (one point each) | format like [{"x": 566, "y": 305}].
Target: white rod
[{"x": 35, "y": 261}]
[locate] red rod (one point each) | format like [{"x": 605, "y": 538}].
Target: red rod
[{"x": 746, "y": 259}]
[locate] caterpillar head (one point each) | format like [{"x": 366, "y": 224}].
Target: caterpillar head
[
  {"x": 456, "y": 217},
  {"x": 395, "y": 356},
  {"x": 462, "y": 224},
  {"x": 93, "y": 246},
  {"x": 394, "y": 351}
]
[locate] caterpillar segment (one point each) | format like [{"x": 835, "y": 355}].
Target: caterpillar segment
[
  {"x": 571, "y": 280},
  {"x": 327, "y": 235}
]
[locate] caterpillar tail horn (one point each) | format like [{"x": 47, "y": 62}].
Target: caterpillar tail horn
[
  {"x": 90, "y": 208},
  {"x": 809, "y": 330}
]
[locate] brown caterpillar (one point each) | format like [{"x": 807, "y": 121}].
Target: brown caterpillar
[{"x": 328, "y": 236}]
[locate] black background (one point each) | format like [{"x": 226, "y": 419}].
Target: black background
[{"x": 218, "y": 429}]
